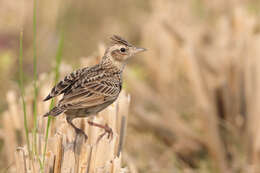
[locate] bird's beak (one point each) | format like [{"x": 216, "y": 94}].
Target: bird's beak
[{"x": 137, "y": 50}]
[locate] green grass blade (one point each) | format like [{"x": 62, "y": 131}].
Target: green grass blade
[
  {"x": 57, "y": 75},
  {"x": 35, "y": 86},
  {"x": 21, "y": 85},
  {"x": 34, "y": 78}
]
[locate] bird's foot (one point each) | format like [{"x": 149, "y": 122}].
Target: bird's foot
[{"x": 107, "y": 129}]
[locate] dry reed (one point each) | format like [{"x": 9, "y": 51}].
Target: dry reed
[
  {"x": 65, "y": 151},
  {"x": 199, "y": 87}
]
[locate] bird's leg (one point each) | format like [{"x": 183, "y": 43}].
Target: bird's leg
[
  {"x": 107, "y": 129},
  {"x": 77, "y": 130}
]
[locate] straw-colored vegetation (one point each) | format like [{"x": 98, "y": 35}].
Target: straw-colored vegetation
[
  {"x": 194, "y": 95},
  {"x": 66, "y": 152}
]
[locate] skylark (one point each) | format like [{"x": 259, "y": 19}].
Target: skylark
[{"x": 89, "y": 90}]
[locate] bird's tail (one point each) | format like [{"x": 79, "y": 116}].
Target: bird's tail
[{"x": 54, "y": 111}]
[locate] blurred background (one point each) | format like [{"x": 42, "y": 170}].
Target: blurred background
[{"x": 195, "y": 103}]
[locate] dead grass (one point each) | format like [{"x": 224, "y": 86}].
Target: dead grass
[{"x": 199, "y": 95}]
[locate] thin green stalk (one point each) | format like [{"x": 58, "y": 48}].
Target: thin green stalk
[
  {"x": 21, "y": 85},
  {"x": 34, "y": 79},
  {"x": 35, "y": 86},
  {"x": 57, "y": 74}
]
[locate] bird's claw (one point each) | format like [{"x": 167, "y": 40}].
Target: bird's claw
[{"x": 109, "y": 132}]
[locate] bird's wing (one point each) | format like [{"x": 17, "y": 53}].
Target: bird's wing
[
  {"x": 69, "y": 80},
  {"x": 91, "y": 92}
]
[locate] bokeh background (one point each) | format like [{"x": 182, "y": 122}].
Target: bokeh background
[{"x": 195, "y": 94}]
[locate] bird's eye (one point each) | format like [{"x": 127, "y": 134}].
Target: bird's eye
[{"x": 122, "y": 49}]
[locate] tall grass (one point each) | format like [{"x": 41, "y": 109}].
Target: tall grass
[
  {"x": 35, "y": 86},
  {"x": 34, "y": 76},
  {"x": 57, "y": 74},
  {"x": 21, "y": 85}
]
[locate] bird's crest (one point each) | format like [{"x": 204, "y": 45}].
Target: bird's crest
[{"x": 119, "y": 40}]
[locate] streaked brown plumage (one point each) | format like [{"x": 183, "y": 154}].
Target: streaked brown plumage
[{"x": 89, "y": 90}]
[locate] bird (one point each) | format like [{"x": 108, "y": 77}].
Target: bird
[{"x": 89, "y": 90}]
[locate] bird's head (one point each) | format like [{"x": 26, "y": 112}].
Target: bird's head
[{"x": 121, "y": 50}]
